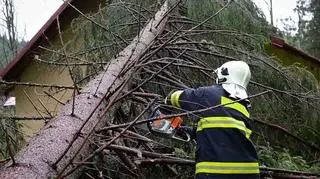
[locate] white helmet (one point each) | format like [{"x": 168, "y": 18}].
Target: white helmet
[{"x": 234, "y": 77}]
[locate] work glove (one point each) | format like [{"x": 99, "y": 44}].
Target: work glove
[{"x": 187, "y": 129}]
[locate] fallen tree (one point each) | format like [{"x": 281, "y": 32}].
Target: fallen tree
[
  {"x": 185, "y": 56},
  {"x": 65, "y": 137}
]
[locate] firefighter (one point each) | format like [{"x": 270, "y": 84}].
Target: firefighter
[{"x": 224, "y": 148}]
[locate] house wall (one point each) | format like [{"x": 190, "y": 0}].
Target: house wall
[
  {"x": 41, "y": 73},
  {"x": 25, "y": 107},
  {"x": 287, "y": 58}
]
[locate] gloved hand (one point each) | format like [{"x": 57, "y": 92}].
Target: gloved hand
[{"x": 187, "y": 129}]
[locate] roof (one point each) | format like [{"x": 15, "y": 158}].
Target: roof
[
  {"x": 45, "y": 34},
  {"x": 280, "y": 43}
]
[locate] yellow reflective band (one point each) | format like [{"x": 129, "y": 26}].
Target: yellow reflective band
[
  {"x": 223, "y": 122},
  {"x": 228, "y": 167},
  {"x": 174, "y": 98},
  {"x": 234, "y": 105}
]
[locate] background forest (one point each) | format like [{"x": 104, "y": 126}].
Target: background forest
[{"x": 199, "y": 37}]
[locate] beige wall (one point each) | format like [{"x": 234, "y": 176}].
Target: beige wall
[
  {"x": 286, "y": 58},
  {"x": 42, "y": 74},
  {"x": 48, "y": 74}
]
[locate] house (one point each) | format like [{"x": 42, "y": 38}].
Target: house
[
  {"x": 32, "y": 99},
  {"x": 289, "y": 55}
]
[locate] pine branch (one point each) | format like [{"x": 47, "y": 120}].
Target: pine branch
[
  {"x": 285, "y": 131},
  {"x": 30, "y": 84},
  {"x": 111, "y": 141},
  {"x": 180, "y": 114},
  {"x": 51, "y": 96},
  {"x": 70, "y": 64},
  {"x": 18, "y": 118},
  {"x": 34, "y": 106}
]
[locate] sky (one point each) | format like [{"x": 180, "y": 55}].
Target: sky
[
  {"x": 281, "y": 9},
  {"x": 32, "y": 14}
]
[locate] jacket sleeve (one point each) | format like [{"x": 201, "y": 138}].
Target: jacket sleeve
[
  {"x": 173, "y": 98},
  {"x": 188, "y": 99}
]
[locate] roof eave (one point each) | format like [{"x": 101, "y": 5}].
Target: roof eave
[
  {"x": 6, "y": 72},
  {"x": 280, "y": 43}
]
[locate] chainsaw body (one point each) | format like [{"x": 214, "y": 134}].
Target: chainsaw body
[{"x": 167, "y": 128}]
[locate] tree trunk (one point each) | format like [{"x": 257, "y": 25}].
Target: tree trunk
[{"x": 50, "y": 144}]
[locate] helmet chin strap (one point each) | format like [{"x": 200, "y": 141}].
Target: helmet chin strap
[{"x": 221, "y": 80}]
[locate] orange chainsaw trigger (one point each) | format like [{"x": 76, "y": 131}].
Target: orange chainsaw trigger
[{"x": 176, "y": 121}]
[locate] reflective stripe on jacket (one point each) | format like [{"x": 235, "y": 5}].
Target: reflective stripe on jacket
[{"x": 223, "y": 133}]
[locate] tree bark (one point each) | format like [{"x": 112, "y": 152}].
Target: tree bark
[{"x": 37, "y": 159}]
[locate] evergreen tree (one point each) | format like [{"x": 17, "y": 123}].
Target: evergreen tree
[
  {"x": 313, "y": 31},
  {"x": 11, "y": 138},
  {"x": 9, "y": 38},
  {"x": 301, "y": 10},
  {"x": 307, "y": 36}
]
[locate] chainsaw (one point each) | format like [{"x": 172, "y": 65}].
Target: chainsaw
[{"x": 168, "y": 128}]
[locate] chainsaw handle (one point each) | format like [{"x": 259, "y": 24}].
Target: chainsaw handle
[{"x": 181, "y": 139}]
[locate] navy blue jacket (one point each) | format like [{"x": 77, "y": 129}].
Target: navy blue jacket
[{"x": 224, "y": 148}]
